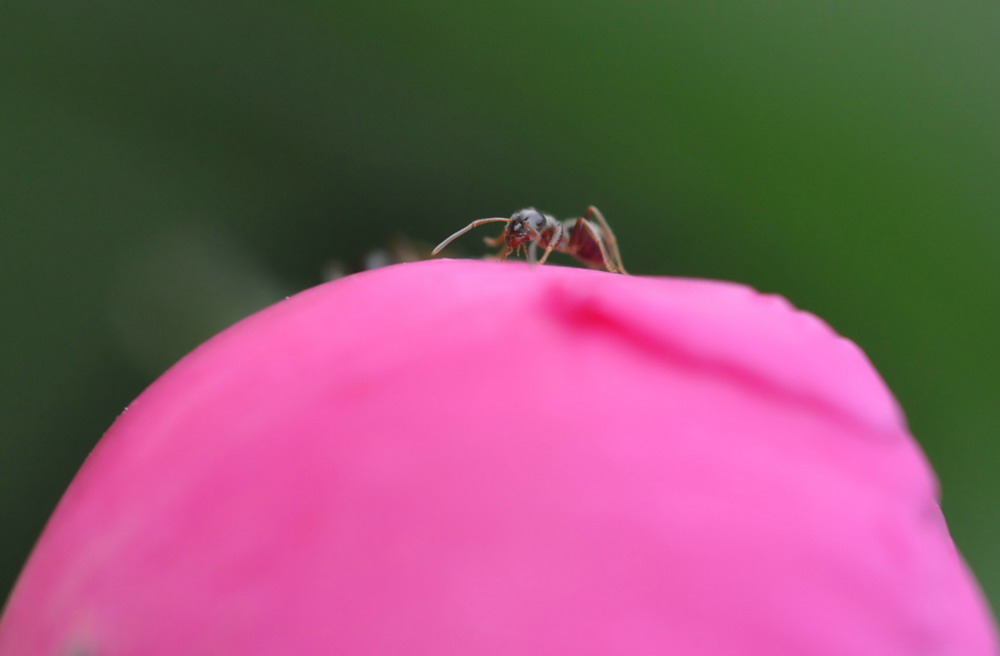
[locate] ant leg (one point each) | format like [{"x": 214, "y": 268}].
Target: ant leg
[
  {"x": 552, "y": 244},
  {"x": 533, "y": 252},
  {"x": 608, "y": 264},
  {"x": 609, "y": 236},
  {"x": 494, "y": 241},
  {"x": 498, "y": 257}
]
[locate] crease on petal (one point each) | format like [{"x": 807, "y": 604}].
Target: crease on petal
[{"x": 759, "y": 342}]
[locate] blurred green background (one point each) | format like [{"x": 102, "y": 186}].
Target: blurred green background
[{"x": 166, "y": 169}]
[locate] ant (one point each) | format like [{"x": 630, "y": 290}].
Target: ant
[{"x": 593, "y": 245}]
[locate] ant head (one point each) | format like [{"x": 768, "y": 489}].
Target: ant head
[{"x": 525, "y": 226}]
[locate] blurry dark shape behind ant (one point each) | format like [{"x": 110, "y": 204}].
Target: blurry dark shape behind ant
[{"x": 399, "y": 250}]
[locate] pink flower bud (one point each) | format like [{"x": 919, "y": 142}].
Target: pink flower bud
[{"x": 481, "y": 459}]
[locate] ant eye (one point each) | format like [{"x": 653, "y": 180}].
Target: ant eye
[{"x": 538, "y": 221}]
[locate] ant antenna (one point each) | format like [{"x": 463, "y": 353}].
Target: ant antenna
[{"x": 474, "y": 224}]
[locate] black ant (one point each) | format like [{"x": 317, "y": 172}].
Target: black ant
[{"x": 527, "y": 229}]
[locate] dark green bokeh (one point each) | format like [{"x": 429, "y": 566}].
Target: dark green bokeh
[{"x": 167, "y": 169}]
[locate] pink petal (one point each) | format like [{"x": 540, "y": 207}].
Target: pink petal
[{"x": 469, "y": 458}]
